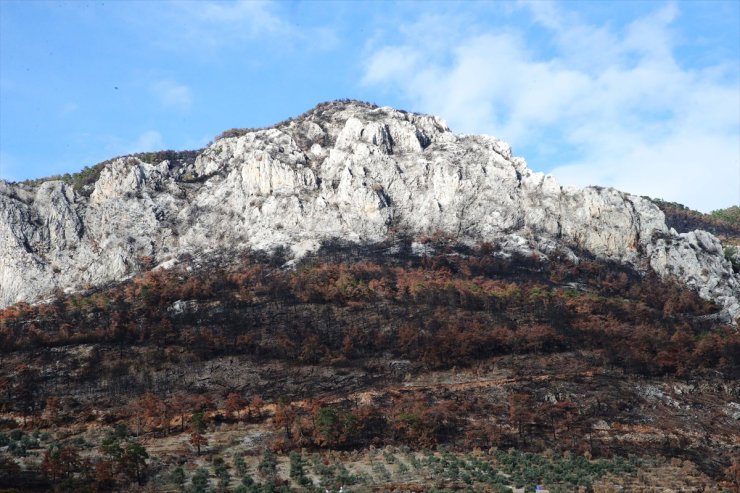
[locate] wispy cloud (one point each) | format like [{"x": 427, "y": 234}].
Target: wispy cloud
[
  {"x": 150, "y": 140},
  {"x": 256, "y": 17},
  {"x": 244, "y": 25},
  {"x": 601, "y": 106},
  {"x": 173, "y": 95}
]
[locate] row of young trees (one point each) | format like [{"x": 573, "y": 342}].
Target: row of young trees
[
  {"x": 516, "y": 417},
  {"x": 68, "y": 466}
]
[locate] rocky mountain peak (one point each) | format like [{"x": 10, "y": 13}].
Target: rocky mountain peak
[{"x": 343, "y": 170}]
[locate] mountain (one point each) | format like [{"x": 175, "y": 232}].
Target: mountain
[
  {"x": 345, "y": 171},
  {"x": 360, "y": 300}
]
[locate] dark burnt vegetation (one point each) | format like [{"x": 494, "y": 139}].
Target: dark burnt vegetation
[
  {"x": 439, "y": 311},
  {"x": 721, "y": 223}
]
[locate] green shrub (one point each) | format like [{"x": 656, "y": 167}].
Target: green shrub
[
  {"x": 177, "y": 476},
  {"x": 730, "y": 215},
  {"x": 731, "y": 256},
  {"x": 200, "y": 480},
  {"x": 296, "y": 466},
  {"x": 240, "y": 466},
  {"x": 344, "y": 476},
  {"x": 17, "y": 449},
  {"x": 268, "y": 466},
  {"x": 224, "y": 478},
  {"x": 29, "y": 442}
]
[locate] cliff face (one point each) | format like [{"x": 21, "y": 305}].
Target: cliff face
[{"x": 343, "y": 170}]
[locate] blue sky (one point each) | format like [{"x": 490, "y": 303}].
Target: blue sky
[{"x": 642, "y": 96}]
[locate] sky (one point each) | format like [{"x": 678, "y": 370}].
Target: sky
[{"x": 640, "y": 96}]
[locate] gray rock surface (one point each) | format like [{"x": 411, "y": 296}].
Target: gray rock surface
[{"x": 343, "y": 170}]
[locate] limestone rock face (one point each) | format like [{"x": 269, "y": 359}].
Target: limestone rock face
[{"x": 345, "y": 171}]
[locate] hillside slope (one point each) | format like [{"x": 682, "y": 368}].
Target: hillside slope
[{"x": 453, "y": 353}]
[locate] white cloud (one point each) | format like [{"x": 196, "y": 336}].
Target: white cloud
[
  {"x": 173, "y": 95},
  {"x": 148, "y": 141},
  {"x": 694, "y": 169},
  {"x": 210, "y": 27},
  {"x": 603, "y": 107},
  {"x": 390, "y": 61},
  {"x": 254, "y": 16}
]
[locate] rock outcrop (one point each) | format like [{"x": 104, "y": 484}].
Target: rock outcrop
[{"x": 343, "y": 170}]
